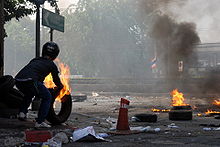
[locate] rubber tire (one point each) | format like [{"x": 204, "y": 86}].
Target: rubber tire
[
  {"x": 146, "y": 117},
  {"x": 65, "y": 111},
  {"x": 6, "y": 82},
  {"x": 188, "y": 107},
  {"x": 14, "y": 98},
  {"x": 180, "y": 115}
]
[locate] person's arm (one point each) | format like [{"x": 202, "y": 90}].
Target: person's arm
[{"x": 56, "y": 80}]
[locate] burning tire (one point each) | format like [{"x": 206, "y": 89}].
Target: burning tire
[
  {"x": 64, "y": 113},
  {"x": 180, "y": 115},
  {"x": 187, "y": 107}
]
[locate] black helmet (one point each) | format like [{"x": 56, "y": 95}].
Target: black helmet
[{"x": 50, "y": 49}]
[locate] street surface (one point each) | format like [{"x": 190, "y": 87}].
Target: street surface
[{"x": 99, "y": 109}]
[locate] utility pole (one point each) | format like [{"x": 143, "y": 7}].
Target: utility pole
[
  {"x": 38, "y": 30},
  {"x": 2, "y": 32},
  {"x": 38, "y": 3}
]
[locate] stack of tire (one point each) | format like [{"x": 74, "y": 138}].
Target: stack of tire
[
  {"x": 10, "y": 98},
  {"x": 181, "y": 113}
]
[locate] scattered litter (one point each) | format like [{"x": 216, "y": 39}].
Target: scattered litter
[
  {"x": 134, "y": 119},
  {"x": 172, "y": 125},
  {"x": 157, "y": 129},
  {"x": 142, "y": 129},
  {"x": 13, "y": 141},
  {"x": 128, "y": 97},
  {"x": 112, "y": 122},
  {"x": 86, "y": 134},
  {"x": 52, "y": 143},
  {"x": 95, "y": 94},
  {"x": 57, "y": 140},
  {"x": 112, "y": 129},
  {"x": 207, "y": 129},
  {"x": 209, "y": 125},
  {"x": 145, "y": 129},
  {"x": 217, "y": 129},
  {"x": 102, "y": 135},
  {"x": 61, "y": 137},
  {"x": 167, "y": 132}
]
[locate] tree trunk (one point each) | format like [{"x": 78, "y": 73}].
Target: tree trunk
[{"x": 1, "y": 37}]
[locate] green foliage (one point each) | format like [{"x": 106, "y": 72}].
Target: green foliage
[
  {"x": 19, "y": 45},
  {"x": 20, "y": 8}
]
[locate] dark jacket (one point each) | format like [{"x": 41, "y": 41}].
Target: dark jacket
[{"x": 38, "y": 68}]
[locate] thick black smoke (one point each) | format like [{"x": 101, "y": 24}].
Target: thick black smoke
[{"x": 175, "y": 42}]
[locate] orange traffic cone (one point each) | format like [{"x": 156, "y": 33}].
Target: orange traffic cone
[{"x": 122, "y": 123}]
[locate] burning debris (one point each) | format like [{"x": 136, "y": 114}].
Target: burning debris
[
  {"x": 177, "y": 102},
  {"x": 64, "y": 76},
  {"x": 180, "y": 110},
  {"x": 178, "y": 99},
  {"x": 216, "y": 102},
  {"x": 160, "y": 110},
  {"x": 212, "y": 112}
]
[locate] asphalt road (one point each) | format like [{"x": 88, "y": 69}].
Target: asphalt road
[{"x": 98, "y": 109}]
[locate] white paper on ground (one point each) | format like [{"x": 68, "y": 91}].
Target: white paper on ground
[{"x": 86, "y": 134}]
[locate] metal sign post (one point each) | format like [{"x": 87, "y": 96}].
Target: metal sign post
[
  {"x": 38, "y": 31},
  {"x": 38, "y": 3},
  {"x": 52, "y": 20},
  {"x": 1, "y": 38}
]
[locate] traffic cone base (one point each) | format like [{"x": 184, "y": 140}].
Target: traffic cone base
[{"x": 122, "y": 123}]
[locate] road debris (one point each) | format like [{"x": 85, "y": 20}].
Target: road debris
[{"x": 86, "y": 135}]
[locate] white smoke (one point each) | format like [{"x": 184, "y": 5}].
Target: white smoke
[{"x": 65, "y": 3}]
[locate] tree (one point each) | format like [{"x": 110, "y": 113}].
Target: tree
[
  {"x": 19, "y": 44},
  {"x": 20, "y": 8},
  {"x": 105, "y": 38},
  {"x": 15, "y": 9}
]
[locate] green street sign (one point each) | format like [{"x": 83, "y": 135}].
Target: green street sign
[{"x": 52, "y": 20}]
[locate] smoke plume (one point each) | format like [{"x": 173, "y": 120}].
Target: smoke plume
[{"x": 174, "y": 40}]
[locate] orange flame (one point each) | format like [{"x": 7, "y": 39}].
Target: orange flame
[
  {"x": 160, "y": 110},
  {"x": 64, "y": 77},
  {"x": 216, "y": 102},
  {"x": 199, "y": 114},
  {"x": 211, "y": 111},
  {"x": 178, "y": 99}
]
